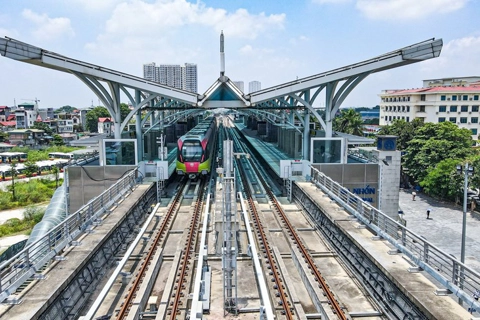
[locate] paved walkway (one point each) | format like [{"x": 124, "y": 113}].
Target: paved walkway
[{"x": 444, "y": 228}]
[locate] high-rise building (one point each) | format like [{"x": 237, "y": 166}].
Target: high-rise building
[
  {"x": 448, "y": 99},
  {"x": 240, "y": 85},
  {"x": 254, "y": 86},
  {"x": 180, "y": 77},
  {"x": 149, "y": 71},
  {"x": 190, "y": 80}
]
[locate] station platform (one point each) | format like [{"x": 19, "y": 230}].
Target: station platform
[
  {"x": 417, "y": 286},
  {"x": 269, "y": 151}
]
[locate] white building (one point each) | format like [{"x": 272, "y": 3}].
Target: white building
[
  {"x": 240, "y": 85},
  {"x": 105, "y": 125},
  {"x": 189, "y": 77},
  {"x": 173, "y": 75},
  {"x": 449, "y": 99},
  {"x": 254, "y": 86}
]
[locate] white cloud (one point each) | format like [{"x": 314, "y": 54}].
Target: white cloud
[
  {"x": 142, "y": 17},
  {"x": 246, "y": 50},
  {"x": 176, "y": 31},
  {"x": 407, "y": 9},
  {"x": 459, "y": 57},
  {"x": 46, "y": 28},
  {"x": 97, "y": 5}
]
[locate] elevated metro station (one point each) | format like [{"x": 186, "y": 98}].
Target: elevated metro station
[{"x": 308, "y": 164}]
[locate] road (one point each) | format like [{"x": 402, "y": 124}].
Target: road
[{"x": 444, "y": 227}]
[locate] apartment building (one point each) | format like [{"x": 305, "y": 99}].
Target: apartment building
[
  {"x": 173, "y": 75},
  {"x": 447, "y": 99}
]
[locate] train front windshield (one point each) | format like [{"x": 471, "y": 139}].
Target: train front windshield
[{"x": 192, "y": 151}]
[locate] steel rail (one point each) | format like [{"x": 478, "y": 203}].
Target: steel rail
[
  {"x": 188, "y": 252},
  {"x": 306, "y": 255},
  {"x": 151, "y": 253},
  {"x": 308, "y": 259},
  {"x": 266, "y": 248}
]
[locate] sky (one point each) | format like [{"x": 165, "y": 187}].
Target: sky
[{"x": 268, "y": 41}]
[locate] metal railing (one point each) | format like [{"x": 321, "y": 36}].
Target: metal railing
[
  {"x": 25, "y": 264},
  {"x": 445, "y": 268}
]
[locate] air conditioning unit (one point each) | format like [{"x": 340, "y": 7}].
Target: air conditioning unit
[
  {"x": 469, "y": 123},
  {"x": 448, "y": 99},
  {"x": 436, "y": 112},
  {"x": 448, "y": 111},
  {"x": 469, "y": 112},
  {"x": 470, "y": 99},
  {"x": 459, "y": 112}
]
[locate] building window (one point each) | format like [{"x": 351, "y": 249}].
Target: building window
[
  {"x": 474, "y": 108},
  {"x": 474, "y": 131},
  {"x": 454, "y": 98},
  {"x": 464, "y": 108},
  {"x": 390, "y": 118},
  {"x": 463, "y": 120},
  {"x": 475, "y": 97},
  {"x": 408, "y": 108},
  {"x": 452, "y": 119},
  {"x": 441, "y": 119},
  {"x": 464, "y": 97},
  {"x": 408, "y": 99},
  {"x": 408, "y": 119},
  {"x": 443, "y": 98},
  {"x": 422, "y": 97},
  {"x": 474, "y": 120},
  {"x": 453, "y": 108},
  {"x": 442, "y": 108},
  {"x": 422, "y": 108}
]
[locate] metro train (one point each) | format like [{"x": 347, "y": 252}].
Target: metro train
[{"x": 195, "y": 149}]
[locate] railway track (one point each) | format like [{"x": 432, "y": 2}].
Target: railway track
[
  {"x": 288, "y": 246},
  {"x": 160, "y": 256}
]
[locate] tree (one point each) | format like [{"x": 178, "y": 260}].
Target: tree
[
  {"x": 55, "y": 170},
  {"x": 30, "y": 168},
  {"x": 443, "y": 181},
  {"x": 102, "y": 112},
  {"x": 349, "y": 121},
  {"x": 434, "y": 142},
  {"x": 77, "y": 128},
  {"x": 405, "y": 131},
  {"x": 58, "y": 140},
  {"x": 13, "y": 171},
  {"x": 3, "y": 136},
  {"x": 43, "y": 126},
  {"x": 66, "y": 109},
  {"x": 92, "y": 118}
]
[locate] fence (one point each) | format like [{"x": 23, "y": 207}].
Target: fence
[
  {"x": 26, "y": 263},
  {"x": 450, "y": 272}
]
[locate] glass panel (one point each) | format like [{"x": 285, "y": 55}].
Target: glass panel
[
  {"x": 327, "y": 151},
  {"x": 191, "y": 151}
]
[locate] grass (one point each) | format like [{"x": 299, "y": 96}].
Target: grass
[
  {"x": 28, "y": 193},
  {"x": 14, "y": 226}
]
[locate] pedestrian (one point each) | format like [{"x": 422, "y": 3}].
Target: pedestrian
[
  {"x": 414, "y": 194},
  {"x": 428, "y": 213}
]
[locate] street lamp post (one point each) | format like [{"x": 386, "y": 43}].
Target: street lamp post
[{"x": 467, "y": 171}]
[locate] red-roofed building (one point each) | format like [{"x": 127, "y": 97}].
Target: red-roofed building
[
  {"x": 449, "y": 99},
  {"x": 105, "y": 125},
  {"x": 7, "y": 125}
]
